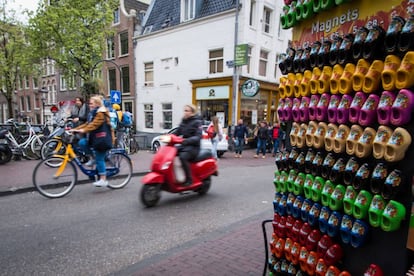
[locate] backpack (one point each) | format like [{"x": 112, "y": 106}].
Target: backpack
[
  {"x": 113, "y": 116},
  {"x": 210, "y": 132},
  {"x": 126, "y": 119}
]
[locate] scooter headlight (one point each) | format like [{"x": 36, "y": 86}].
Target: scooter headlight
[{"x": 166, "y": 165}]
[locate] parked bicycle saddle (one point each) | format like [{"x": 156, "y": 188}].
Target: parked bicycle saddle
[
  {"x": 392, "y": 35},
  {"x": 406, "y": 40},
  {"x": 358, "y": 44},
  {"x": 374, "y": 44}
]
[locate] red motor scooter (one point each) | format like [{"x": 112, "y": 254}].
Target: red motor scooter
[{"x": 168, "y": 175}]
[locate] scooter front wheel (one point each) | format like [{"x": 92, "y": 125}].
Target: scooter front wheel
[{"x": 150, "y": 194}]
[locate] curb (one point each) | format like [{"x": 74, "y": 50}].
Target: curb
[{"x": 16, "y": 191}]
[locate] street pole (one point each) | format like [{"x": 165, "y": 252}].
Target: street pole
[{"x": 235, "y": 96}]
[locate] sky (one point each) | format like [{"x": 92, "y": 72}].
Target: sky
[{"x": 20, "y": 5}]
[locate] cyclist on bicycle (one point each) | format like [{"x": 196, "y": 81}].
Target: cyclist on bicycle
[{"x": 98, "y": 115}]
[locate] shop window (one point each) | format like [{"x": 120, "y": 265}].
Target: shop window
[
  {"x": 112, "y": 79},
  {"x": 110, "y": 48},
  {"x": 124, "y": 45},
  {"x": 263, "y": 63},
  {"x": 125, "y": 80},
  {"x": 216, "y": 61},
  {"x": 149, "y": 73},
  {"x": 167, "y": 115},
  {"x": 149, "y": 115},
  {"x": 267, "y": 15}
]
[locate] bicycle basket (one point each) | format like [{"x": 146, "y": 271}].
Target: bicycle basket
[{"x": 68, "y": 138}]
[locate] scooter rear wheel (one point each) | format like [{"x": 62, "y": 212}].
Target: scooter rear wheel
[
  {"x": 150, "y": 194},
  {"x": 205, "y": 186}
]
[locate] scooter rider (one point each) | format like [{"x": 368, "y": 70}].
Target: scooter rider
[{"x": 190, "y": 130}]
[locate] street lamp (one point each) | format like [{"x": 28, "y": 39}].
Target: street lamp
[{"x": 44, "y": 91}]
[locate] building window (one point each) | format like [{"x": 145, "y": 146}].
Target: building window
[
  {"x": 112, "y": 79},
  {"x": 149, "y": 116},
  {"x": 249, "y": 59},
  {"x": 125, "y": 80},
  {"x": 267, "y": 15},
  {"x": 187, "y": 10},
  {"x": 263, "y": 63},
  {"x": 123, "y": 42},
  {"x": 149, "y": 73},
  {"x": 252, "y": 12},
  {"x": 167, "y": 115},
  {"x": 110, "y": 48},
  {"x": 26, "y": 82},
  {"x": 21, "y": 103},
  {"x": 116, "y": 16},
  {"x": 28, "y": 104},
  {"x": 216, "y": 59},
  {"x": 63, "y": 85},
  {"x": 128, "y": 107},
  {"x": 35, "y": 82}
]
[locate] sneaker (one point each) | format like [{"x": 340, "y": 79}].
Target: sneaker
[
  {"x": 263, "y": 157},
  {"x": 90, "y": 163},
  {"x": 255, "y": 156},
  {"x": 236, "y": 156},
  {"x": 240, "y": 156},
  {"x": 101, "y": 183}
]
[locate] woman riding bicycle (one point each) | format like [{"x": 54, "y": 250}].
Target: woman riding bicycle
[{"x": 98, "y": 116}]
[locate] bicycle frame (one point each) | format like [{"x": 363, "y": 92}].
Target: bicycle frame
[{"x": 70, "y": 156}]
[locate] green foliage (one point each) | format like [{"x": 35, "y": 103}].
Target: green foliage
[{"x": 73, "y": 33}]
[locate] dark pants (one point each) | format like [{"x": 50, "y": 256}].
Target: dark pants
[{"x": 186, "y": 156}]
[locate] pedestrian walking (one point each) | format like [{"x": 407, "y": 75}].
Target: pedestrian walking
[
  {"x": 262, "y": 137},
  {"x": 239, "y": 138},
  {"x": 275, "y": 137},
  {"x": 215, "y": 133}
]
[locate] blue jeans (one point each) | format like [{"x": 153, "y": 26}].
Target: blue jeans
[
  {"x": 99, "y": 155},
  {"x": 239, "y": 145},
  {"x": 275, "y": 145},
  {"x": 214, "y": 143},
  {"x": 261, "y": 146}
]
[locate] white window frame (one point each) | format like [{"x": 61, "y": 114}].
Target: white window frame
[
  {"x": 110, "y": 48},
  {"x": 149, "y": 74},
  {"x": 121, "y": 44},
  {"x": 263, "y": 60},
  {"x": 117, "y": 15},
  {"x": 267, "y": 20},
  {"x": 149, "y": 115},
  {"x": 167, "y": 111},
  {"x": 187, "y": 10},
  {"x": 252, "y": 16},
  {"x": 215, "y": 61}
]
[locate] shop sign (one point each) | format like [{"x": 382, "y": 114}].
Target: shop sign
[
  {"x": 241, "y": 55},
  {"x": 250, "y": 88},
  {"x": 348, "y": 18},
  {"x": 212, "y": 92}
]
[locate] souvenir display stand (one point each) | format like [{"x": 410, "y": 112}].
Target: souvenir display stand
[{"x": 343, "y": 187}]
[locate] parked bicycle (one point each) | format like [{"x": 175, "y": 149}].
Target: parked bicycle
[
  {"x": 28, "y": 146},
  {"x": 129, "y": 142},
  {"x": 57, "y": 175}
]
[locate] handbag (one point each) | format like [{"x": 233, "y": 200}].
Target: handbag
[{"x": 101, "y": 138}]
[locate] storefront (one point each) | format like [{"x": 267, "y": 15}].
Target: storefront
[{"x": 213, "y": 97}]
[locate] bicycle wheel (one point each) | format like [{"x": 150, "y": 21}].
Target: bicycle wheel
[
  {"x": 36, "y": 146},
  {"x": 48, "y": 184},
  {"x": 52, "y": 146},
  {"x": 29, "y": 154},
  {"x": 133, "y": 145},
  {"x": 119, "y": 170}
]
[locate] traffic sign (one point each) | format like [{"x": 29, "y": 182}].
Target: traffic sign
[{"x": 115, "y": 97}]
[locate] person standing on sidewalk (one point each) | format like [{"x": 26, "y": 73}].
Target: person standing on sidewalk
[
  {"x": 275, "y": 138},
  {"x": 215, "y": 132},
  {"x": 240, "y": 137},
  {"x": 262, "y": 136}
]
